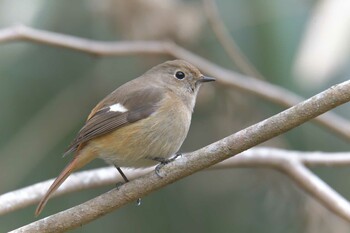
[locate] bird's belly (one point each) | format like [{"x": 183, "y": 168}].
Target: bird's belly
[{"x": 136, "y": 144}]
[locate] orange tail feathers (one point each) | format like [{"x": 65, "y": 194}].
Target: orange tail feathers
[{"x": 79, "y": 161}]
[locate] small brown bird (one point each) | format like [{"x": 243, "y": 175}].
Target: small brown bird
[{"x": 140, "y": 124}]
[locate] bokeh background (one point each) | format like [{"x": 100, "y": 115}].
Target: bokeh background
[{"x": 46, "y": 93}]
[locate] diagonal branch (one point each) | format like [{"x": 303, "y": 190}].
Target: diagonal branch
[
  {"x": 319, "y": 189},
  {"x": 260, "y": 88},
  {"x": 194, "y": 161}
]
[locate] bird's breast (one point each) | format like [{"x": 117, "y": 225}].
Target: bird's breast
[{"x": 159, "y": 135}]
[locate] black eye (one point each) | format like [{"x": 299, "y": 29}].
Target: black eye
[{"x": 180, "y": 75}]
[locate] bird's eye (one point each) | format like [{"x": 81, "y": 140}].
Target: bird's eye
[{"x": 180, "y": 75}]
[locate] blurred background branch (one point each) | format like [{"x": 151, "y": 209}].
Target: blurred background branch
[
  {"x": 288, "y": 162},
  {"x": 273, "y": 93}
]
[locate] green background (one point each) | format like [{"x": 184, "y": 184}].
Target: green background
[{"x": 47, "y": 92}]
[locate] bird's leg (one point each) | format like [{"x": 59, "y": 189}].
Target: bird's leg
[
  {"x": 138, "y": 201},
  {"x": 163, "y": 161},
  {"x": 123, "y": 175},
  {"x": 126, "y": 180}
]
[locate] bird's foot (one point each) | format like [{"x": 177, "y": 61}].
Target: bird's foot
[{"x": 162, "y": 162}]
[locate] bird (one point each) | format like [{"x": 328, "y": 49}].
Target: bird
[{"x": 140, "y": 124}]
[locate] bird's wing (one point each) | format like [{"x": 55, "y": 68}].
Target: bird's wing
[{"x": 113, "y": 113}]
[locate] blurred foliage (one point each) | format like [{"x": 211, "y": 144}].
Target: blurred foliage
[{"x": 46, "y": 93}]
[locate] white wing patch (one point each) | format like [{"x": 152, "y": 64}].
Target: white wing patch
[{"x": 117, "y": 108}]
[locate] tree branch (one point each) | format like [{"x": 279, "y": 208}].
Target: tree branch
[
  {"x": 195, "y": 161},
  {"x": 319, "y": 189},
  {"x": 273, "y": 93}
]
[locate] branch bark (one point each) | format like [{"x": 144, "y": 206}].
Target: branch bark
[
  {"x": 270, "y": 92},
  {"x": 195, "y": 161}
]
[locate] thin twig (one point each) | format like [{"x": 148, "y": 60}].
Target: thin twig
[
  {"x": 195, "y": 161},
  {"x": 319, "y": 189},
  {"x": 227, "y": 42},
  {"x": 78, "y": 181}
]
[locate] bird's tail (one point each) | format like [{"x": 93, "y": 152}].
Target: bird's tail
[{"x": 79, "y": 161}]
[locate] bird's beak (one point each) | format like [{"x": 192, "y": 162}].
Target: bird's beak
[{"x": 205, "y": 79}]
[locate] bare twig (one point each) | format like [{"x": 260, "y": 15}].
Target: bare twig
[
  {"x": 270, "y": 92},
  {"x": 78, "y": 181},
  {"x": 226, "y": 40},
  {"x": 195, "y": 161},
  {"x": 292, "y": 163},
  {"x": 255, "y": 157},
  {"x": 319, "y": 189},
  {"x": 21, "y": 32}
]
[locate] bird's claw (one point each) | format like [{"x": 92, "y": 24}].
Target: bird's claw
[{"x": 164, "y": 162}]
